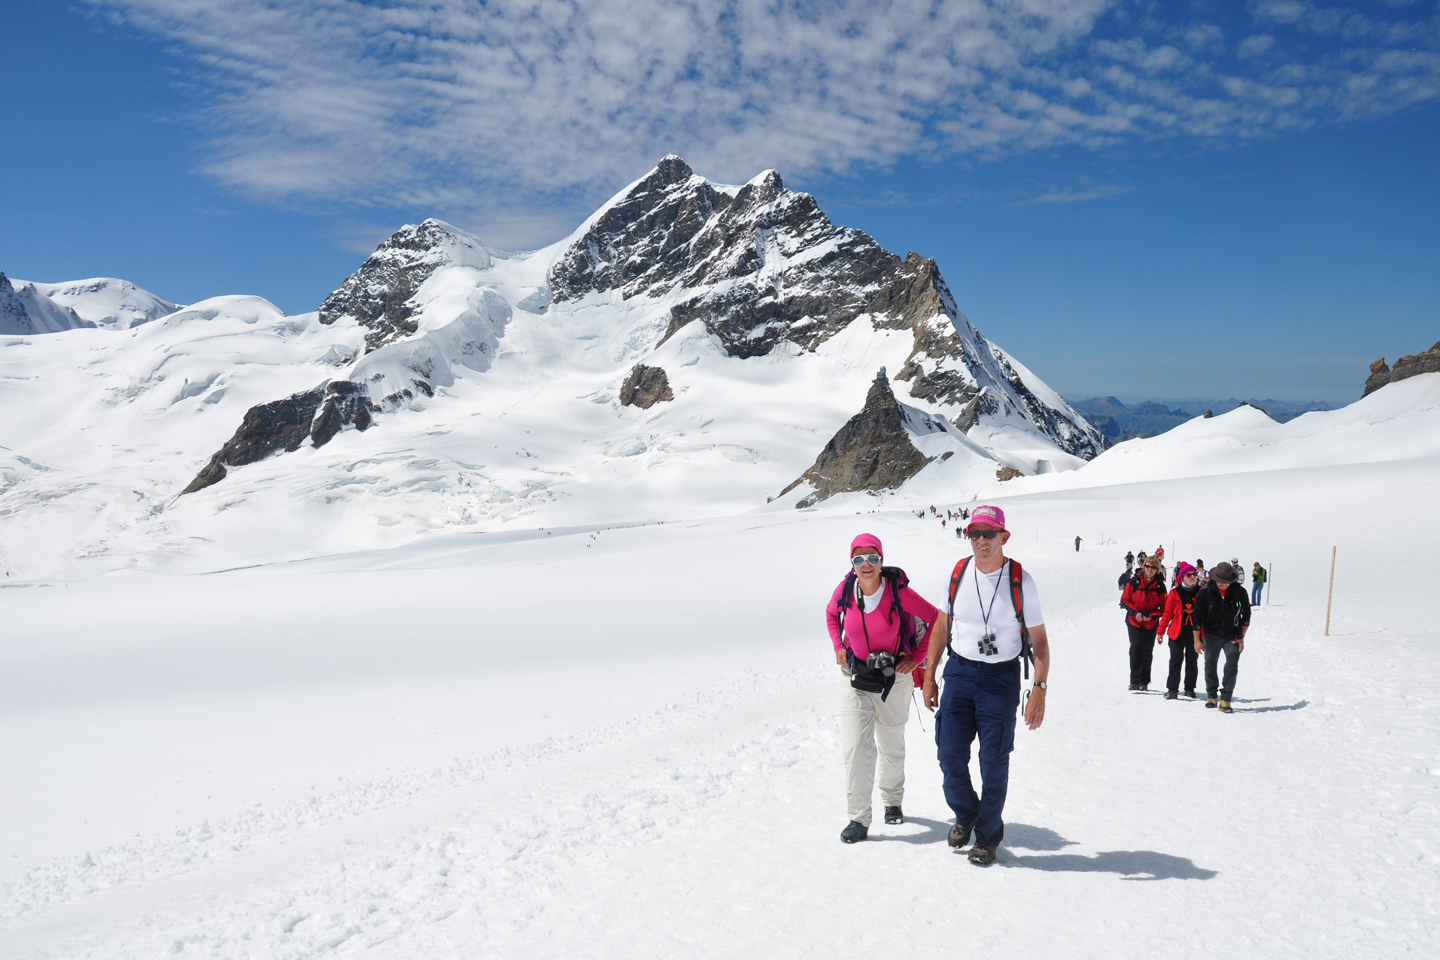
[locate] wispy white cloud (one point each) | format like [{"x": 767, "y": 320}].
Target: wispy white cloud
[
  {"x": 508, "y": 104},
  {"x": 1074, "y": 195}
]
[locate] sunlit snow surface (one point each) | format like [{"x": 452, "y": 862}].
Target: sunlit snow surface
[{"x": 608, "y": 741}]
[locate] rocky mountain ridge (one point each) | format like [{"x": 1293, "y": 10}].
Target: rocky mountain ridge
[
  {"x": 758, "y": 268},
  {"x": 1407, "y": 366}
]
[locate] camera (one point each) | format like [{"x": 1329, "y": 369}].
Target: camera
[{"x": 881, "y": 663}]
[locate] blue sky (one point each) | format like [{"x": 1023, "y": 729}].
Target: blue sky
[{"x": 1172, "y": 200}]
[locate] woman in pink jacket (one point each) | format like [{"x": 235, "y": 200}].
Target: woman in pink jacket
[{"x": 878, "y": 626}]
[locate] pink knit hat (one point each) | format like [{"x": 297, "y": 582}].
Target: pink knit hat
[
  {"x": 992, "y": 516},
  {"x": 867, "y": 540},
  {"x": 1183, "y": 569}
]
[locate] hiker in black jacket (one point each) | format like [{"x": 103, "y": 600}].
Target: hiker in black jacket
[{"x": 1222, "y": 614}]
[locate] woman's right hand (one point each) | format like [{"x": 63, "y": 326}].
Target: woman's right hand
[{"x": 840, "y": 656}]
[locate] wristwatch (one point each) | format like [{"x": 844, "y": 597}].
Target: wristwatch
[{"x": 1041, "y": 684}]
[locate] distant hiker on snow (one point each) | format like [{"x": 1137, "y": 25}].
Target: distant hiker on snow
[
  {"x": 994, "y": 608},
  {"x": 1177, "y": 624},
  {"x": 1077, "y": 543},
  {"x": 1144, "y": 597},
  {"x": 1222, "y": 612},
  {"x": 877, "y": 626},
  {"x": 1257, "y": 584},
  {"x": 1129, "y": 559},
  {"x": 1201, "y": 573}
]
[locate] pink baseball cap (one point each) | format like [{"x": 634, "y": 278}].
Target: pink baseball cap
[
  {"x": 993, "y": 516},
  {"x": 867, "y": 540}
]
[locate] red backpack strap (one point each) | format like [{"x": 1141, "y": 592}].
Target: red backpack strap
[
  {"x": 1017, "y": 596},
  {"x": 955, "y": 578}
]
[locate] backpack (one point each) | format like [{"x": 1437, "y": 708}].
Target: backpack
[
  {"x": 1017, "y": 597},
  {"x": 911, "y": 629}
]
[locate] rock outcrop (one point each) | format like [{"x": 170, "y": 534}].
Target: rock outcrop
[
  {"x": 871, "y": 452},
  {"x": 283, "y": 425},
  {"x": 1406, "y": 367},
  {"x": 645, "y": 387},
  {"x": 1379, "y": 376}
]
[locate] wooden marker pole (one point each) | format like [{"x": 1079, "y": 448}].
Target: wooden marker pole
[{"x": 1331, "y": 598}]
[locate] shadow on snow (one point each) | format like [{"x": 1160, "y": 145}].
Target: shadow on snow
[{"x": 1129, "y": 864}]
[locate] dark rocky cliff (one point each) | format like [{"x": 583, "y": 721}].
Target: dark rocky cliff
[{"x": 871, "y": 452}]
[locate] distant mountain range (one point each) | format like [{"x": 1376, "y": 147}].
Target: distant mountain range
[{"x": 1118, "y": 422}]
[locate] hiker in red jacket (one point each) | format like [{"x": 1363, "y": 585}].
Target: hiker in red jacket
[
  {"x": 1177, "y": 624},
  {"x": 1144, "y": 597}
]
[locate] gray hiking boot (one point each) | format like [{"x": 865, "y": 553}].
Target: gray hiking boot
[
  {"x": 894, "y": 815},
  {"x": 982, "y": 854},
  {"x": 854, "y": 831},
  {"x": 959, "y": 834}
]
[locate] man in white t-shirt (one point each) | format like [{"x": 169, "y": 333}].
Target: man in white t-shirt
[{"x": 982, "y": 682}]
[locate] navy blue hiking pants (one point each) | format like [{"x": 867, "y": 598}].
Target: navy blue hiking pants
[{"x": 979, "y": 700}]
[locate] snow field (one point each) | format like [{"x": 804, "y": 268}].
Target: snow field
[{"x": 626, "y": 743}]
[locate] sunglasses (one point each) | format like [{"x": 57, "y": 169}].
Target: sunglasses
[
  {"x": 871, "y": 558},
  {"x": 987, "y": 534}
]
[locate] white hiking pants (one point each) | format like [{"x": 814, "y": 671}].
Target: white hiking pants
[{"x": 865, "y": 725}]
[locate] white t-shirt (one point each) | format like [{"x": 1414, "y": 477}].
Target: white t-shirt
[
  {"x": 968, "y": 624},
  {"x": 871, "y": 603}
]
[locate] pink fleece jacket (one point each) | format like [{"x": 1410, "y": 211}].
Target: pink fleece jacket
[{"x": 882, "y": 626}]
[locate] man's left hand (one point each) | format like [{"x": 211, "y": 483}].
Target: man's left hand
[
  {"x": 1035, "y": 708},
  {"x": 906, "y": 665}
]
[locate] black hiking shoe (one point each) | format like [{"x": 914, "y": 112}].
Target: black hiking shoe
[
  {"x": 894, "y": 815},
  {"x": 1190, "y": 694},
  {"x": 854, "y": 831},
  {"x": 1134, "y": 686},
  {"x": 1171, "y": 695},
  {"x": 959, "y": 834},
  {"x": 982, "y": 854}
]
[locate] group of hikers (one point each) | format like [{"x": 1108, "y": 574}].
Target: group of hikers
[
  {"x": 889, "y": 640},
  {"x": 946, "y": 516},
  {"x": 1203, "y": 611}
]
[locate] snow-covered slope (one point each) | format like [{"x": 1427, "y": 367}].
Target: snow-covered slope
[
  {"x": 357, "y": 756},
  {"x": 449, "y": 385},
  {"x": 1399, "y": 422},
  {"x": 108, "y": 302}
]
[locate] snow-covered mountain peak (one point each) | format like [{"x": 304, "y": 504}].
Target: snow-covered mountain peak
[
  {"x": 687, "y": 351},
  {"x": 378, "y": 295},
  {"x": 26, "y": 310},
  {"x": 108, "y": 302}
]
